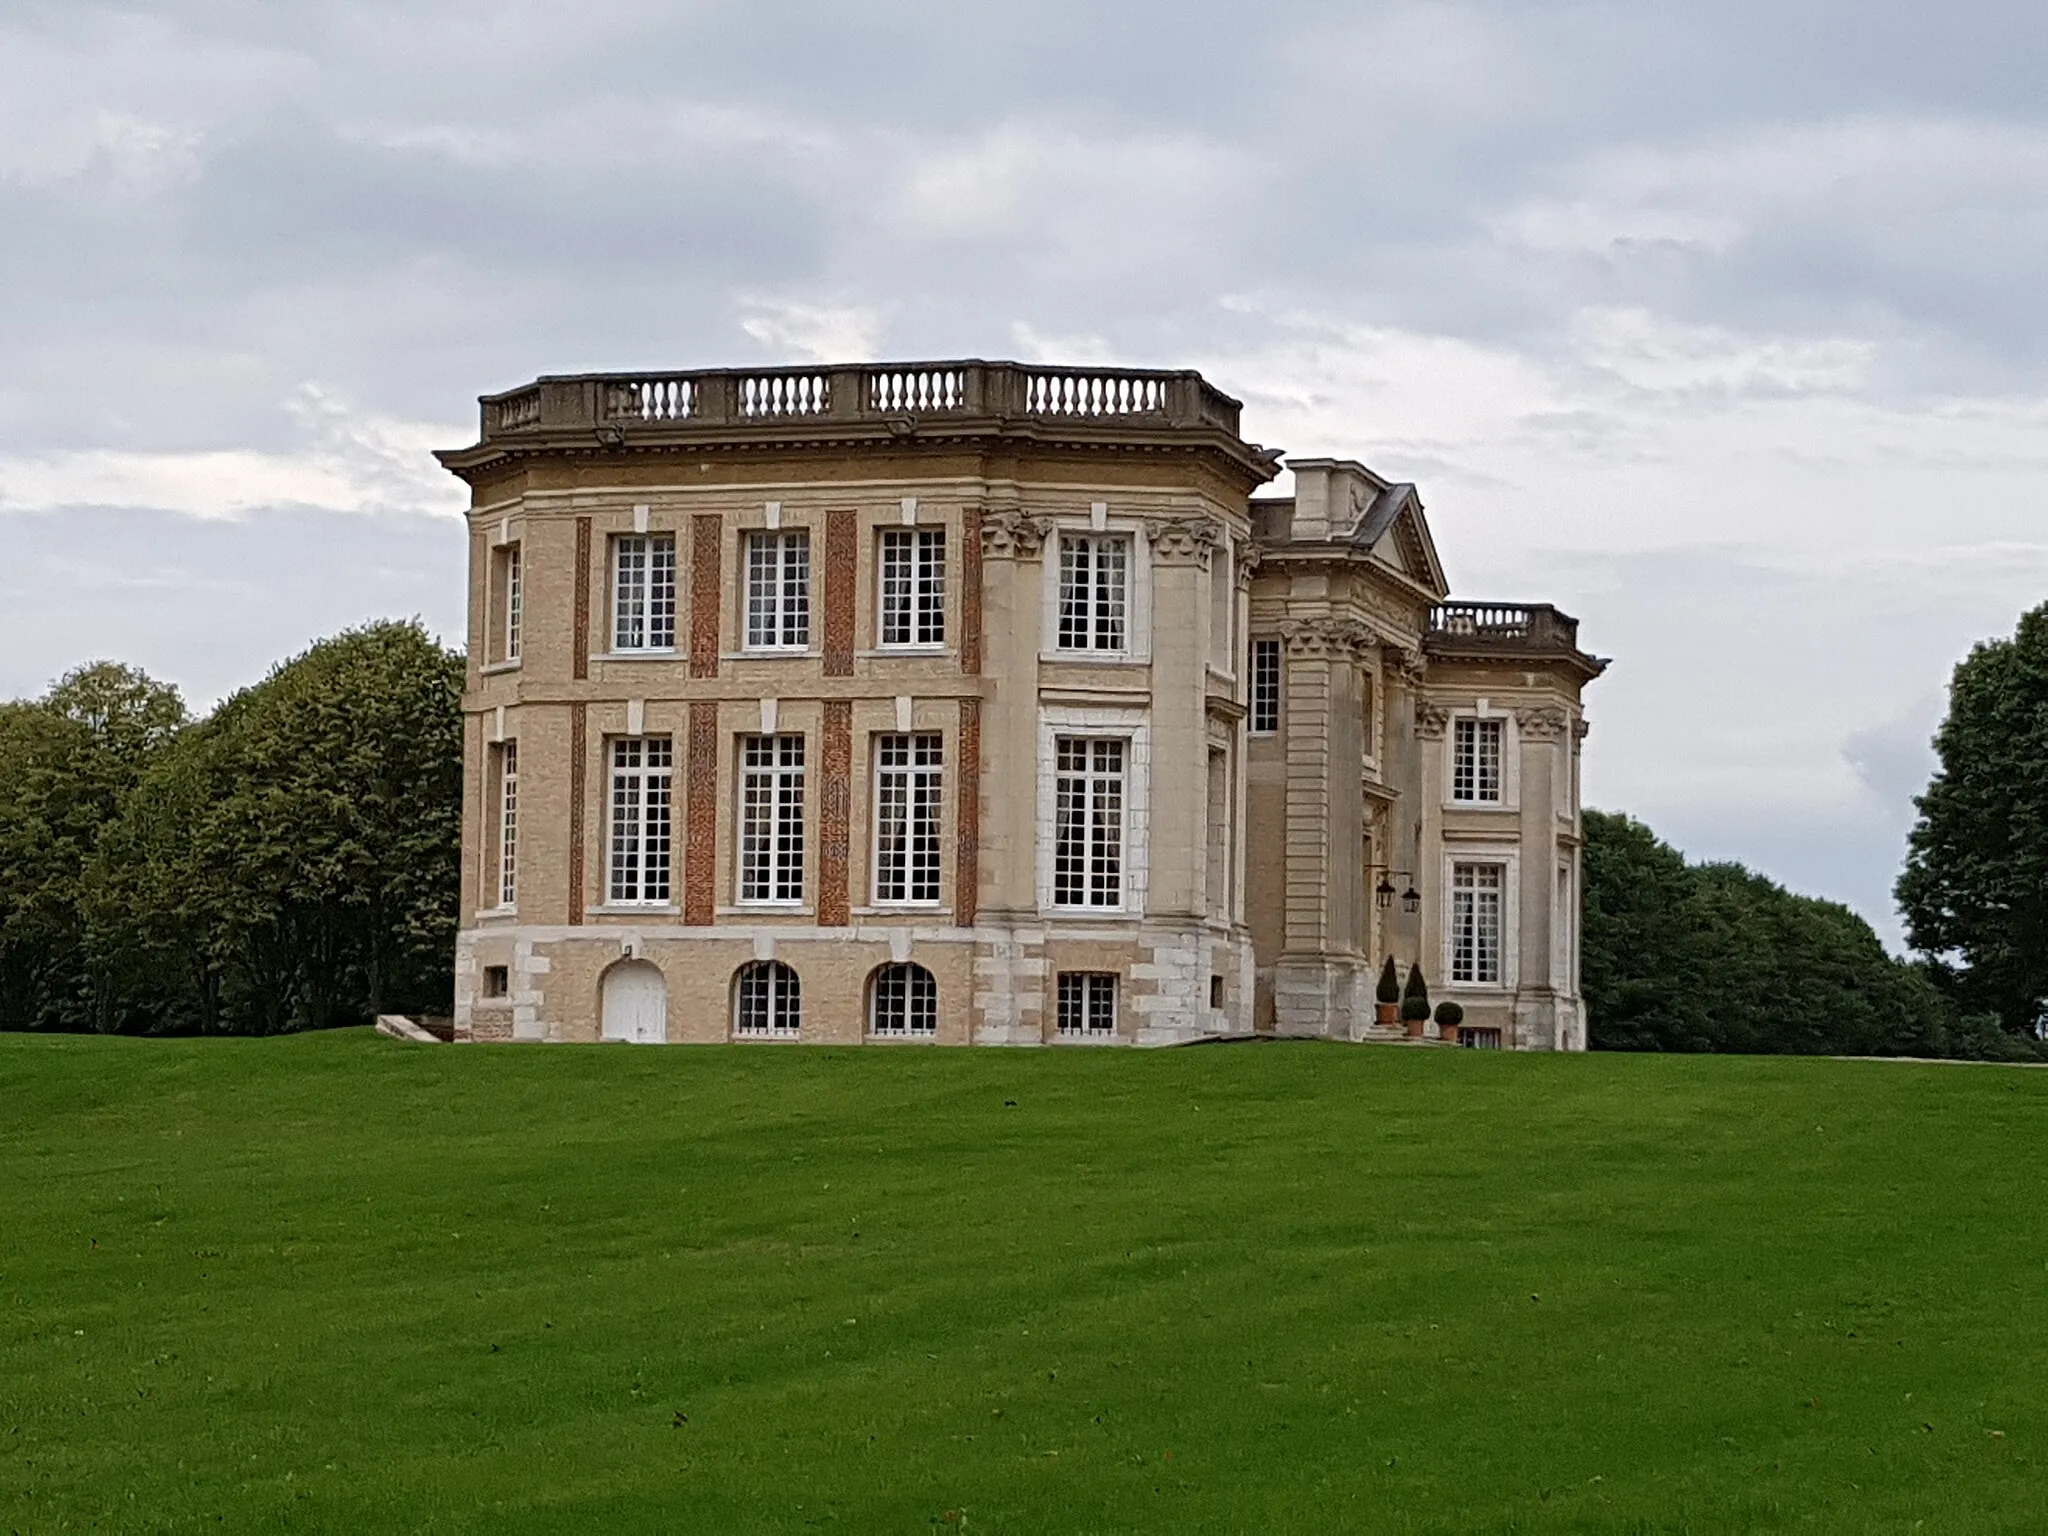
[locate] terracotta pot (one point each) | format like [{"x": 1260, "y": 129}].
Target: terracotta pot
[
  {"x": 1416, "y": 1028},
  {"x": 1388, "y": 1014},
  {"x": 1450, "y": 1033}
]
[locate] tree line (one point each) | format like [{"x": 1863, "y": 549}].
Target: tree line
[
  {"x": 288, "y": 862},
  {"x": 291, "y": 861}
]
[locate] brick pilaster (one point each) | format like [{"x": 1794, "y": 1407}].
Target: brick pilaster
[
  {"x": 579, "y": 642},
  {"x": 967, "y": 819},
  {"x": 700, "y": 818},
  {"x": 835, "y": 814},
  {"x": 706, "y": 547},
  {"x": 579, "y": 771},
  {"x": 970, "y": 597},
  {"x": 842, "y": 575}
]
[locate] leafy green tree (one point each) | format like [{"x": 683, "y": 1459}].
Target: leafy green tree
[
  {"x": 1682, "y": 957},
  {"x": 1975, "y": 887},
  {"x": 68, "y": 762}
]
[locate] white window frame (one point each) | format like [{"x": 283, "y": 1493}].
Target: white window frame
[
  {"x": 910, "y": 773},
  {"x": 780, "y": 991},
  {"x": 1508, "y": 859},
  {"x": 1134, "y": 727},
  {"x": 514, "y": 600},
  {"x": 508, "y": 826},
  {"x": 1137, "y": 646},
  {"x": 644, "y": 596},
  {"x": 1091, "y": 788},
  {"x": 910, "y": 589},
  {"x": 903, "y": 1002},
  {"x": 640, "y": 821},
  {"x": 1084, "y": 990},
  {"x": 771, "y": 862},
  {"x": 776, "y": 590},
  {"x": 1510, "y": 758},
  {"x": 1261, "y": 684}
]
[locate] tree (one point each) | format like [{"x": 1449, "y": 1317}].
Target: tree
[
  {"x": 1975, "y": 887},
  {"x": 1683, "y": 957},
  {"x": 68, "y": 762}
]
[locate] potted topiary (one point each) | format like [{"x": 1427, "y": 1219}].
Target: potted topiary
[
  {"x": 1448, "y": 1017},
  {"x": 1415, "y": 1003},
  {"x": 1388, "y": 994}
]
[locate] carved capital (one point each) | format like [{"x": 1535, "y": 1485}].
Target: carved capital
[
  {"x": 1412, "y": 664},
  {"x": 1545, "y": 723},
  {"x": 1431, "y": 720},
  {"x": 1580, "y": 727},
  {"x": 1329, "y": 639},
  {"x": 1183, "y": 540},
  {"x": 1248, "y": 561},
  {"x": 1012, "y": 535}
]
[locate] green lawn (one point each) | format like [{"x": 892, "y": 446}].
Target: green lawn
[{"x": 339, "y": 1283}]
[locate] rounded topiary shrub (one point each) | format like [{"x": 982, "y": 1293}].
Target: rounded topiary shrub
[
  {"x": 1448, "y": 1012},
  {"x": 1414, "y": 1008}
]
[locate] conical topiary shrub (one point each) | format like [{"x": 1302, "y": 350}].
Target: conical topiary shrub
[
  {"x": 1388, "y": 994},
  {"x": 1415, "y": 1001}
]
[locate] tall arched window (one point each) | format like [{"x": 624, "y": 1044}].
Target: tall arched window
[
  {"x": 903, "y": 1000},
  {"x": 767, "y": 1000}
]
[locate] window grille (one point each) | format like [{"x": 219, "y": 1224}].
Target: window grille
[
  {"x": 1087, "y": 1004},
  {"x": 644, "y": 592},
  {"x": 508, "y": 824},
  {"x": 772, "y": 818},
  {"x": 904, "y": 1001},
  {"x": 914, "y": 586},
  {"x": 1475, "y": 922},
  {"x": 1474, "y": 1039},
  {"x": 643, "y": 769},
  {"x": 908, "y": 771},
  {"x": 1475, "y": 761},
  {"x": 778, "y": 591},
  {"x": 769, "y": 1000},
  {"x": 1088, "y": 837},
  {"x": 1265, "y": 712},
  {"x": 513, "y": 601},
  {"x": 1094, "y": 591}
]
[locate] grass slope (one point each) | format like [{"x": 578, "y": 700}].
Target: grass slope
[{"x": 337, "y": 1283}]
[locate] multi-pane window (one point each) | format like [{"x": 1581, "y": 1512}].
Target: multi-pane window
[
  {"x": 508, "y": 824},
  {"x": 513, "y": 602},
  {"x": 772, "y": 818},
  {"x": 914, "y": 586},
  {"x": 1265, "y": 711},
  {"x": 778, "y": 591},
  {"x": 643, "y": 773},
  {"x": 644, "y": 592},
  {"x": 903, "y": 1001},
  {"x": 1088, "y": 832},
  {"x": 1087, "y": 1003},
  {"x": 1476, "y": 922},
  {"x": 908, "y": 770},
  {"x": 1475, "y": 760},
  {"x": 768, "y": 1000},
  {"x": 1094, "y": 591}
]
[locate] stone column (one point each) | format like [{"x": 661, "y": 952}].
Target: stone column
[{"x": 1542, "y": 732}]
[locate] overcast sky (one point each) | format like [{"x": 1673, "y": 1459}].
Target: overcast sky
[{"x": 1722, "y": 325}]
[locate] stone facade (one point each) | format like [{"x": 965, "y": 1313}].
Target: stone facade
[{"x": 974, "y": 702}]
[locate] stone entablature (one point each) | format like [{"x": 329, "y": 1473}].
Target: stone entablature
[{"x": 896, "y": 695}]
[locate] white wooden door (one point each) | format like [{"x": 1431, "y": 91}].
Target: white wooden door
[{"x": 635, "y": 1003}]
